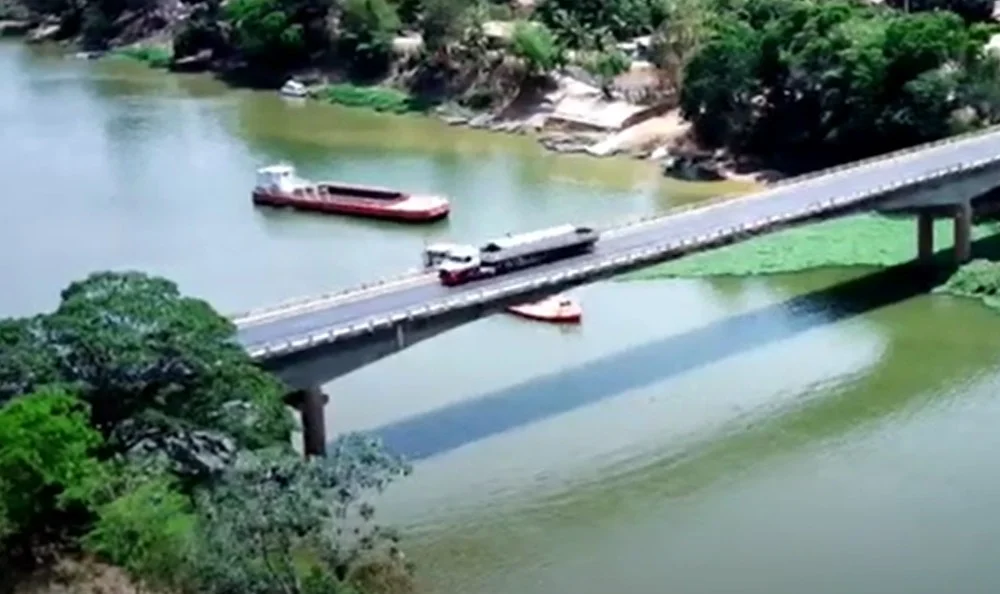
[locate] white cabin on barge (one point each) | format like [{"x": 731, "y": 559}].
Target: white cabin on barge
[{"x": 279, "y": 178}]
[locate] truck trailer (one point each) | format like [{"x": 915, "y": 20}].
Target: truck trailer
[{"x": 457, "y": 264}]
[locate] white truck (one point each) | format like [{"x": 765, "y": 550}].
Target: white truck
[{"x": 458, "y": 263}]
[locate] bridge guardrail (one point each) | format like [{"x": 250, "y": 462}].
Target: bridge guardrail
[
  {"x": 297, "y": 302},
  {"x": 637, "y": 255},
  {"x": 836, "y": 169}
]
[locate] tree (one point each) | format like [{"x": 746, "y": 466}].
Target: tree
[
  {"x": 201, "y": 31},
  {"x": 443, "y": 21},
  {"x": 721, "y": 82},
  {"x": 367, "y": 29},
  {"x": 278, "y": 33},
  {"x": 832, "y": 80},
  {"x": 263, "y": 31},
  {"x": 26, "y": 361},
  {"x": 675, "y": 41},
  {"x": 154, "y": 366},
  {"x": 272, "y": 510},
  {"x": 538, "y": 47},
  {"x": 574, "y": 21},
  {"x": 47, "y": 465}
]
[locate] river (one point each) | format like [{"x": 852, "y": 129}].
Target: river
[{"x": 766, "y": 435}]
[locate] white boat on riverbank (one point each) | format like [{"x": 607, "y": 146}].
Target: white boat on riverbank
[{"x": 294, "y": 88}]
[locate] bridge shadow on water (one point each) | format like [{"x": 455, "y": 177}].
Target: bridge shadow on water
[{"x": 447, "y": 428}]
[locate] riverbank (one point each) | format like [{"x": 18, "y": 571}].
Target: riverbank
[
  {"x": 663, "y": 137},
  {"x": 566, "y": 111}
]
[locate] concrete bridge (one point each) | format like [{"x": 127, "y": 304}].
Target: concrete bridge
[{"x": 311, "y": 341}]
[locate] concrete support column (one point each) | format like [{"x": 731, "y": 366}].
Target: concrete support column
[
  {"x": 925, "y": 236},
  {"x": 400, "y": 336},
  {"x": 963, "y": 232},
  {"x": 310, "y": 403}
]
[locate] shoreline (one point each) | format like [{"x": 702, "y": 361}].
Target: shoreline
[{"x": 662, "y": 139}]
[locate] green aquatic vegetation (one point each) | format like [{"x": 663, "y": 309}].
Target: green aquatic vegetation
[
  {"x": 979, "y": 279},
  {"x": 154, "y": 56},
  {"x": 863, "y": 240},
  {"x": 382, "y": 99}
]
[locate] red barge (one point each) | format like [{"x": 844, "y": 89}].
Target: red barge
[{"x": 277, "y": 185}]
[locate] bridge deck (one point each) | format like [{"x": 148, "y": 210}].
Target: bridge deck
[{"x": 692, "y": 223}]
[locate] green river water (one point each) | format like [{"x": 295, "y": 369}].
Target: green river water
[{"x": 757, "y": 435}]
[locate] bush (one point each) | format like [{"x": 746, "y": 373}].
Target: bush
[
  {"x": 146, "y": 530},
  {"x": 153, "y": 55},
  {"x": 201, "y": 31},
  {"x": 367, "y": 30},
  {"x": 538, "y": 47},
  {"x": 576, "y": 21},
  {"x": 264, "y": 31},
  {"x": 381, "y": 99},
  {"x": 276, "y": 519},
  {"x": 46, "y": 462},
  {"x": 442, "y": 22},
  {"x": 606, "y": 65}
]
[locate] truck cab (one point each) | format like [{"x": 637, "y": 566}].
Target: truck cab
[
  {"x": 437, "y": 253},
  {"x": 459, "y": 264}
]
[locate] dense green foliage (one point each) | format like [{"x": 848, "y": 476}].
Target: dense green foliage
[
  {"x": 607, "y": 64},
  {"x": 367, "y": 29},
  {"x": 133, "y": 426},
  {"x": 264, "y": 31},
  {"x": 836, "y": 80},
  {"x": 158, "y": 370},
  {"x": 145, "y": 527},
  {"x": 443, "y": 21},
  {"x": 538, "y": 47},
  {"x": 47, "y": 465},
  {"x": 579, "y": 22},
  {"x": 277, "y": 521}
]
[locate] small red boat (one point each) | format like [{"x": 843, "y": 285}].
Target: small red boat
[
  {"x": 557, "y": 309},
  {"x": 277, "y": 185}
]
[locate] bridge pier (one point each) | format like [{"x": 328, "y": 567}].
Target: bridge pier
[
  {"x": 310, "y": 403},
  {"x": 963, "y": 231},
  {"x": 925, "y": 235},
  {"x": 400, "y": 337}
]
